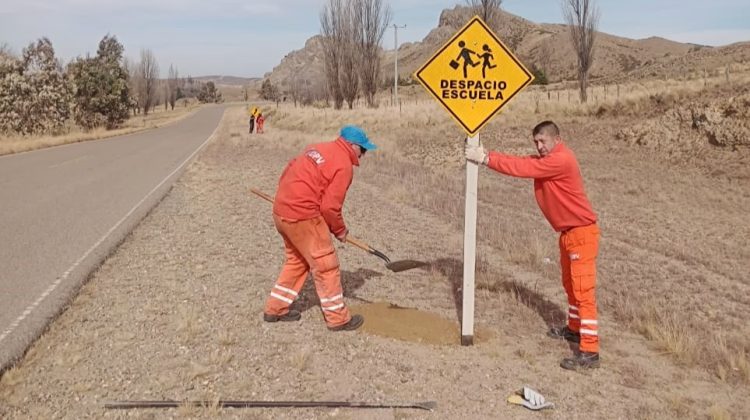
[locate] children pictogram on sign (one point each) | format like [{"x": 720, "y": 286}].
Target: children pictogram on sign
[
  {"x": 486, "y": 58},
  {"x": 466, "y": 55}
]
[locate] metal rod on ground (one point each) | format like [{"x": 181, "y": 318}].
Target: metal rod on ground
[
  {"x": 470, "y": 248},
  {"x": 425, "y": 405}
]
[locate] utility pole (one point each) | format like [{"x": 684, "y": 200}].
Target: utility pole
[{"x": 395, "y": 62}]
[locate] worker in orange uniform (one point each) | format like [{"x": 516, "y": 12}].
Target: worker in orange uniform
[
  {"x": 306, "y": 211},
  {"x": 559, "y": 191},
  {"x": 259, "y": 120}
]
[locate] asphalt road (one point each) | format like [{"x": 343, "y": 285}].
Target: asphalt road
[{"x": 64, "y": 209}]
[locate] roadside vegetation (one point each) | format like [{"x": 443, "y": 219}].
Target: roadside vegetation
[{"x": 45, "y": 103}]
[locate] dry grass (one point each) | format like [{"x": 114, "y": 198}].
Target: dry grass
[
  {"x": 197, "y": 371},
  {"x": 300, "y": 359},
  {"x": 717, "y": 412},
  {"x": 221, "y": 359},
  {"x": 526, "y": 356},
  {"x": 632, "y": 98},
  {"x": 188, "y": 324},
  {"x": 11, "y": 378},
  {"x": 419, "y": 163},
  {"x": 679, "y": 406},
  {"x": 159, "y": 117},
  {"x": 188, "y": 410},
  {"x": 226, "y": 338}
]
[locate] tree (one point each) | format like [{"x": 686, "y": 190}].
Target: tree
[
  {"x": 488, "y": 10},
  {"x": 349, "y": 63},
  {"x": 582, "y": 17},
  {"x": 101, "y": 94},
  {"x": 173, "y": 86},
  {"x": 34, "y": 94},
  {"x": 540, "y": 77},
  {"x": 209, "y": 94},
  {"x": 134, "y": 84},
  {"x": 6, "y": 50},
  {"x": 148, "y": 73},
  {"x": 332, "y": 38},
  {"x": 13, "y": 90},
  {"x": 373, "y": 18},
  {"x": 268, "y": 91}
]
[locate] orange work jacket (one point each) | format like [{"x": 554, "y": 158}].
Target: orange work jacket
[
  {"x": 558, "y": 185},
  {"x": 315, "y": 184}
]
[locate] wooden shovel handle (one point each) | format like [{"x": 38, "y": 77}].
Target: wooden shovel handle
[
  {"x": 354, "y": 241},
  {"x": 359, "y": 244},
  {"x": 262, "y": 195}
]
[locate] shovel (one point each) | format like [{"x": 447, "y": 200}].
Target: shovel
[{"x": 395, "y": 266}]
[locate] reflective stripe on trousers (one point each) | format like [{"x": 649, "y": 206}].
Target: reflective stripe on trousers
[
  {"x": 308, "y": 247},
  {"x": 579, "y": 248}
]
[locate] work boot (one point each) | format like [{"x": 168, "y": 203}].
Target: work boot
[
  {"x": 292, "y": 315},
  {"x": 584, "y": 360},
  {"x": 355, "y": 322},
  {"x": 564, "y": 332}
]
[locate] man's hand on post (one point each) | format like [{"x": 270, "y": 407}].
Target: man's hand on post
[
  {"x": 476, "y": 154},
  {"x": 342, "y": 236}
]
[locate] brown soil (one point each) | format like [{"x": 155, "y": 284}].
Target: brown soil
[
  {"x": 175, "y": 313},
  {"x": 409, "y": 324}
]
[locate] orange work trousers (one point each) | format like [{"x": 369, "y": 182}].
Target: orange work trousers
[
  {"x": 308, "y": 248},
  {"x": 578, "y": 250}
]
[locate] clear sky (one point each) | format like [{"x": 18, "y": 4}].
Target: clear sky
[{"x": 248, "y": 38}]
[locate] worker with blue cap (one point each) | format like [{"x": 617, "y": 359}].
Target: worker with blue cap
[{"x": 306, "y": 211}]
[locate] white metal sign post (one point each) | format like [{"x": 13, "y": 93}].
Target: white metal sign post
[
  {"x": 473, "y": 76},
  {"x": 470, "y": 248}
]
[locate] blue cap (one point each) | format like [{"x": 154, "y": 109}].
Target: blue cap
[{"x": 356, "y": 135}]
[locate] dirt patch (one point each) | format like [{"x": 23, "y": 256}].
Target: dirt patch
[{"x": 409, "y": 324}]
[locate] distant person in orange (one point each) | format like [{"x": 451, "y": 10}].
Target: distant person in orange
[
  {"x": 306, "y": 211},
  {"x": 259, "y": 120},
  {"x": 559, "y": 191}
]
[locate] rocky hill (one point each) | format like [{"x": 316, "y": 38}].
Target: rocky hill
[
  {"x": 227, "y": 80},
  {"x": 544, "y": 46}
]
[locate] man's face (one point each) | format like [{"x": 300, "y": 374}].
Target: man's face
[
  {"x": 545, "y": 142},
  {"x": 358, "y": 150}
]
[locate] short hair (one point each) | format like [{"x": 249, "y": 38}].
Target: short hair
[{"x": 546, "y": 127}]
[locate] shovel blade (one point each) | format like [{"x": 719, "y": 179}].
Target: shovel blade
[{"x": 403, "y": 265}]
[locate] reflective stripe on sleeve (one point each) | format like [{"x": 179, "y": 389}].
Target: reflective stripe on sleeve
[
  {"x": 585, "y": 331},
  {"x": 574, "y": 316},
  {"x": 589, "y": 322}
]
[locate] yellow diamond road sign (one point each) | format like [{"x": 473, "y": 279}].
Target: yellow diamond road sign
[{"x": 474, "y": 75}]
